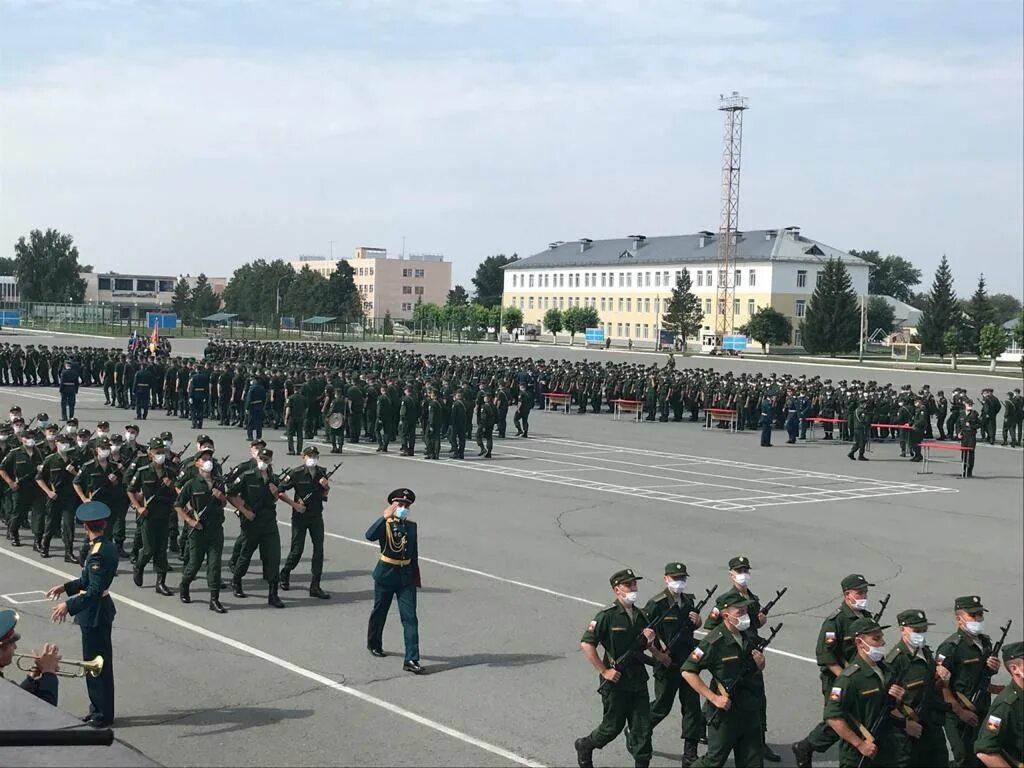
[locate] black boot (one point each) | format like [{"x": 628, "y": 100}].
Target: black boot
[
  {"x": 285, "y": 583},
  {"x": 315, "y": 591},
  {"x": 183, "y": 593},
  {"x": 803, "y": 751},
  {"x": 161, "y": 585},
  {"x": 769, "y": 754},
  {"x": 46, "y": 547},
  {"x": 137, "y": 576},
  {"x": 273, "y": 599},
  {"x": 689, "y": 752},
  {"x": 584, "y": 752},
  {"x": 215, "y": 605},
  {"x": 236, "y": 588}
]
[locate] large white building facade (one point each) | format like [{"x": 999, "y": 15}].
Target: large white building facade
[{"x": 628, "y": 280}]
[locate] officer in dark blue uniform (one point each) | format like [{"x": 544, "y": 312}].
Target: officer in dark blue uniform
[
  {"x": 765, "y": 423},
  {"x": 42, "y": 681},
  {"x": 255, "y": 403},
  {"x": 90, "y": 603},
  {"x": 198, "y": 387},
  {"x": 69, "y": 379},
  {"x": 143, "y": 385},
  {"x": 396, "y": 575}
]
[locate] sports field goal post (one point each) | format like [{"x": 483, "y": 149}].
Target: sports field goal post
[{"x": 905, "y": 350}]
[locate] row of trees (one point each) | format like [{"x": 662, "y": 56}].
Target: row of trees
[
  {"x": 261, "y": 290},
  {"x": 571, "y": 320}
]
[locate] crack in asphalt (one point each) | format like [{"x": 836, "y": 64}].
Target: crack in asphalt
[{"x": 584, "y": 547}]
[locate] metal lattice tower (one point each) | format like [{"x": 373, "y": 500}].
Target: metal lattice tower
[{"x": 733, "y": 106}]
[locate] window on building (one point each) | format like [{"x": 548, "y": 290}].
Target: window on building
[
  {"x": 618, "y": 329},
  {"x": 738, "y": 277},
  {"x": 543, "y": 281},
  {"x": 707, "y": 306},
  {"x": 406, "y": 306},
  {"x": 531, "y": 302},
  {"x": 124, "y": 284},
  {"x": 626, "y": 327},
  {"x": 817, "y": 277},
  {"x": 798, "y": 337},
  {"x": 593, "y": 279},
  {"x": 707, "y": 278},
  {"x": 647, "y": 305},
  {"x": 522, "y": 302},
  {"x": 622, "y": 304},
  {"x": 629, "y": 305},
  {"x": 370, "y": 287},
  {"x": 735, "y": 306},
  {"x": 603, "y": 275},
  {"x": 721, "y": 307},
  {"x": 700, "y": 278},
  {"x": 801, "y": 278},
  {"x": 103, "y": 283},
  {"x": 577, "y": 279},
  {"x": 405, "y": 272},
  {"x": 515, "y": 278},
  {"x": 750, "y": 307},
  {"x": 369, "y": 271},
  {"x": 406, "y": 289},
  {"x": 622, "y": 279},
  {"x": 664, "y": 278},
  {"x": 657, "y": 306},
  {"x": 418, "y": 273},
  {"x": 561, "y": 280},
  {"x": 647, "y": 279},
  {"x": 166, "y": 286},
  {"x": 418, "y": 290},
  {"x": 657, "y": 279},
  {"x": 752, "y": 277},
  {"x": 602, "y": 303},
  {"x": 801, "y": 307},
  {"x": 586, "y": 279},
  {"x": 636, "y": 331},
  {"x": 721, "y": 277},
  {"x": 645, "y": 330},
  {"x": 561, "y": 302},
  {"x": 629, "y": 280},
  {"x": 530, "y": 281}
]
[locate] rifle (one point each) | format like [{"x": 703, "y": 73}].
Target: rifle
[
  {"x": 971, "y": 702},
  {"x": 326, "y": 477},
  {"x": 636, "y": 649},
  {"x": 677, "y": 637},
  {"x": 884, "y": 717},
  {"x": 771, "y": 603},
  {"x": 882, "y": 607},
  {"x": 759, "y": 644}
]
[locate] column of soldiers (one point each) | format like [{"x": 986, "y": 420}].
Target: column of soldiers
[{"x": 897, "y": 703}]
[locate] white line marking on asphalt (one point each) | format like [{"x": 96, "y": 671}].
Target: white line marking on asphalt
[
  {"x": 10, "y": 597},
  {"x": 296, "y": 669}
]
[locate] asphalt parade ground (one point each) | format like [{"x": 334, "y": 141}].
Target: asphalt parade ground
[{"x": 516, "y": 552}]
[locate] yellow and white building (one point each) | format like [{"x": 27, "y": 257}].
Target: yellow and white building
[{"x": 629, "y": 280}]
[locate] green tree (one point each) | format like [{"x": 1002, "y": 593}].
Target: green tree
[
  {"x": 181, "y": 302},
  {"x": 479, "y": 318},
  {"x": 307, "y": 295},
  {"x": 47, "y": 268},
  {"x": 457, "y": 297},
  {"x": 992, "y": 343},
  {"x": 683, "y": 313},
  {"x": 8, "y": 266},
  {"x": 513, "y": 317},
  {"x": 1004, "y": 307},
  {"x": 767, "y": 326},
  {"x": 427, "y": 315},
  {"x": 489, "y": 280},
  {"x": 388, "y": 325},
  {"x": 940, "y": 311},
  {"x": 553, "y": 322},
  {"x": 203, "y": 300},
  {"x": 255, "y": 289},
  {"x": 892, "y": 276},
  {"x": 1018, "y": 332},
  {"x": 880, "y": 315},
  {"x": 343, "y": 301},
  {"x": 456, "y": 317},
  {"x": 832, "y": 321},
  {"x": 979, "y": 314},
  {"x": 577, "y": 319},
  {"x": 954, "y": 341}
]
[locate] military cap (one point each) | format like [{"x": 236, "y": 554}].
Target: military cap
[
  {"x": 204, "y": 453},
  {"x": 8, "y": 621},
  {"x": 102, "y": 424},
  {"x": 102, "y": 442},
  {"x": 15, "y": 408},
  {"x": 740, "y": 561},
  {"x": 1011, "y": 651},
  {"x": 133, "y": 428},
  {"x": 969, "y": 603},
  {"x": 731, "y": 599},
  {"x": 913, "y": 618},
  {"x": 92, "y": 511},
  {"x": 676, "y": 569},
  {"x": 623, "y": 576},
  {"x": 156, "y": 444},
  {"x": 43, "y": 416},
  {"x": 260, "y": 443},
  {"x": 204, "y": 439},
  {"x": 865, "y": 626},
  {"x": 72, "y": 422},
  {"x": 166, "y": 436},
  {"x": 855, "y": 581},
  {"x": 401, "y": 494},
  {"x": 115, "y": 439},
  {"x": 310, "y": 450},
  {"x": 265, "y": 454}
]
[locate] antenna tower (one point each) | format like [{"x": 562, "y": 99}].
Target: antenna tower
[{"x": 733, "y": 106}]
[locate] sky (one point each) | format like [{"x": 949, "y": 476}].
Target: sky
[{"x": 197, "y": 135}]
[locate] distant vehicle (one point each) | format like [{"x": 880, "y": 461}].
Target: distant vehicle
[
  {"x": 530, "y": 329},
  {"x": 713, "y": 344}
]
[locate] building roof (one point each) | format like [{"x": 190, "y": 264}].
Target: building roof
[
  {"x": 759, "y": 245},
  {"x": 904, "y": 315}
]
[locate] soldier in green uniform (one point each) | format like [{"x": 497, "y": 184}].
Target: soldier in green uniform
[
  {"x": 859, "y": 696},
  {"x": 485, "y": 426},
  {"x": 337, "y": 413},
  {"x": 734, "y": 724},
  {"x": 200, "y": 507},
  {"x": 521, "y": 420},
  {"x": 151, "y": 489},
  {"x": 967, "y": 429},
  {"x": 911, "y": 662},
  {"x": 432, "y": 434},
  {"x": 457, "y": 426},
  {"x": 254, "y": 494},
  {"x": 407, "y": 418},
  {"x": 675, "y": 633},
  {"x": 619, "y": 629},
  {"x": 18, "y": 470},
  {"x": 55, "y": 478},
  {"x": 860, "y": 421},
  {"x": 382, "y": 428},
  {"x": 294, "y": 417},
  {"x": 834, "y": 651},
  {"x": 966, "y": 654},
  {"x": 501, "y": 411},
  {"x": 311, "y": 486},
  {"x": 255, "y": 446},
  {"x": 1000, "y": 743},
  {"x": 90, "y": 604}
]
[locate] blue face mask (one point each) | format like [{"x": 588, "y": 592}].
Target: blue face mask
[{"x": 402, "y": 512}]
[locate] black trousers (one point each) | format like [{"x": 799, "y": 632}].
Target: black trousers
[{"x": 96, "y": 642}]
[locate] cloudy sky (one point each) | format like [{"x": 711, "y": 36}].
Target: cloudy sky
[{"x": 196, "y": 135}]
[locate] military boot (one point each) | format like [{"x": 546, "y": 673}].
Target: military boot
[
  {"x": 215, "y": 605},
  {"x": 272, "y": 597}
]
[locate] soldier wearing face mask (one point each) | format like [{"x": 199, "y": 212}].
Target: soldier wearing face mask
[
  {"x": 55, "y": 478},
  {"x": 18, "y": 470},
  {"x": 200, "y": 507},
  {"x": 676, "y": 633},
  {"x": 966, "y": 653},
  {"x": 311, "y": 485},
  {"x": 255, "y": 446},
  {"x": 254, "y": 494},
  {"x": 859, "y": 695},
  {"x": 835, "y": 650},
  {"x": 152, "y": 492},
  {"x": 921, "y": 740}
]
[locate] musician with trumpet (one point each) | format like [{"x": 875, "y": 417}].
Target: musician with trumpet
[
  {"x": 90, "y": 604},
  {"x": 41, "y": 681}
]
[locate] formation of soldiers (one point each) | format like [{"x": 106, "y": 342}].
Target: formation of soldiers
[{"x": 890, "y": 698}]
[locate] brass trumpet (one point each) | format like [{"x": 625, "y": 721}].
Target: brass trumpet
[{"x": 79, "y": 668}]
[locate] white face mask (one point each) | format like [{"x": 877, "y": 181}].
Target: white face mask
[
  {"x": 13, "y": 415},
  {"x": 917, "y": 640},
  {"x": 69, "y": 430},
  {"x": 262, "y": 466},
  {"x": 129, "y": 437},
  {"x": 743, "y": 622},
  {"x": 18, "y": 429},
  {"x": 43, "y": 423},
  {"x": 62, "y": 448},
  {"x": 974, "y": 627},
  {"x": 310, "y": 463},
  {"x": 677, "y": 586},
  {"x": 206, "y": 466},
  {"x": 160, "y": 458},
  {"x": 103, "y": 453},
  {"x": 101, "y": 433},
  {"x": 876, "y": 652},
  {"x": 630, "y": 598},
  {"x": 861, "y": 604},
  {"x": 742, "y": 579},
  {"x": 50, "y": 438},
  {"x": 30, "y": 443}
]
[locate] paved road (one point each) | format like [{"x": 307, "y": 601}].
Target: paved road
[{"x": 518, "y": 551}]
